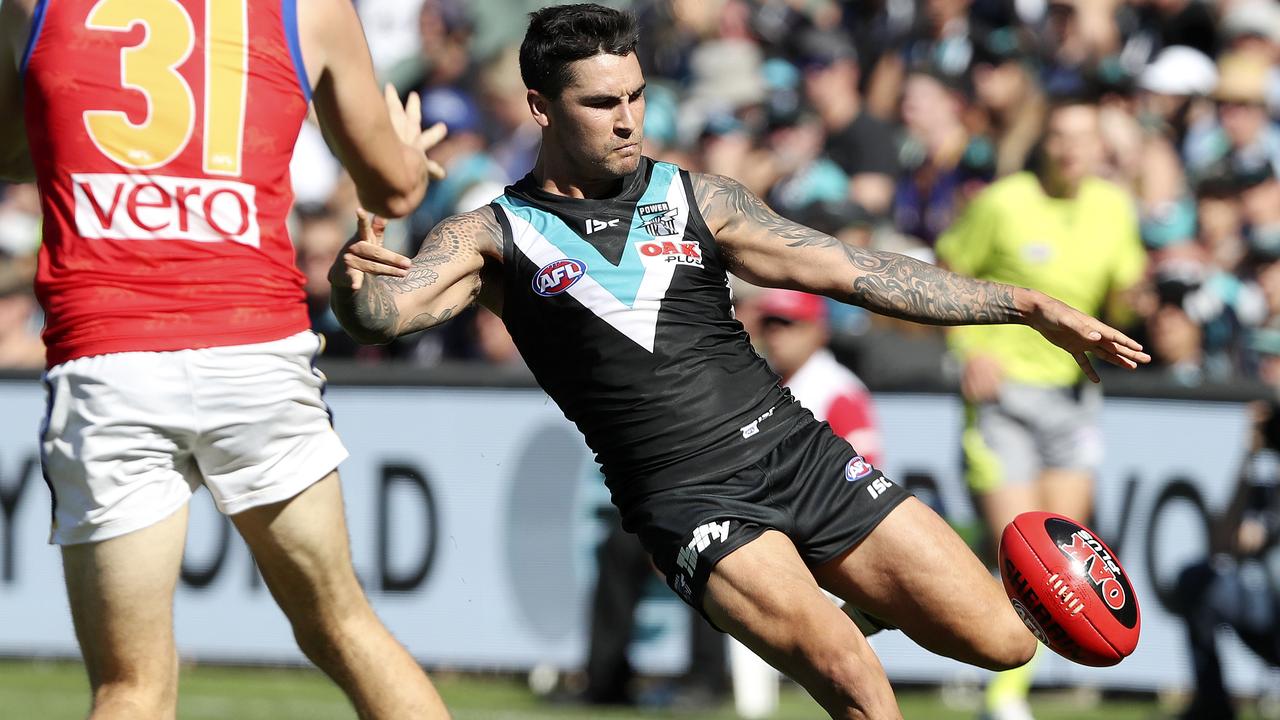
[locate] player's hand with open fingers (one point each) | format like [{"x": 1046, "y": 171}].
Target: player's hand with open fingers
[
  {"x": 365, "y": 253},
  {"x": 407, "y": 120},
  {"x": 1079, "y": 334}
]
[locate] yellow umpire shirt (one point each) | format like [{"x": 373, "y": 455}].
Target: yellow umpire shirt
[{"x": 1077, "y": 250}]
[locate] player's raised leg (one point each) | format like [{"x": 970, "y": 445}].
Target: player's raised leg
[
  {"x": 302, "y": 549},
  {"x": 916, "y": 573},
  {"x": 121, "y": 596},
  {"x": 764, "y": 595}
]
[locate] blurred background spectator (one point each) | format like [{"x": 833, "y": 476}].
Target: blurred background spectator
[
  {"x": 1239, "y": 586},
  {"x": 20, "y": 316},
  {"x": 877, "y": 122},
  {"x": 794, "y": 334},
  {"x": 860, "y": 144}
]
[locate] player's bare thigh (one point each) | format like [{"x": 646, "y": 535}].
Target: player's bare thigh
[
  {"x": 121, "y": 596},
  {"x": 764, "y": 595},
  {"x": 916, "y": 573}
]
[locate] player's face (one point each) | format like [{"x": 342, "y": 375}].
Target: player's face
[
  {"x": 789, "y": 344},
  {"x": 1073, "y": 143},
  {"x": 598, "y": 120}
]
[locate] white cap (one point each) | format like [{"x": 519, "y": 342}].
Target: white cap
[
  {"x": 1180, "y": 70},
  {"x": 1253, "y": 17}
]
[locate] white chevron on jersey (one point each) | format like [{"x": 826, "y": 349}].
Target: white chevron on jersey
[{"x": 638, "y": 321}]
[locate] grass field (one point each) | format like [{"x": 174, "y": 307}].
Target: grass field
[{"x": 58, "y": 691}]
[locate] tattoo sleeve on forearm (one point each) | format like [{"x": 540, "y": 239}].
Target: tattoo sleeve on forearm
[
  {"x": 884, "y": 282},
  {"x": 903, "y": 287},
  {"x": 373, "y": 314}
]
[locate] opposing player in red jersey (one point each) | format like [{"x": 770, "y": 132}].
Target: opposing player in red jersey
[{"x": 160, "y": 133}]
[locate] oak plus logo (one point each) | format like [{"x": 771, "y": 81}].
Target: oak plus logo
[
  {"x": 670, "y": 251},
  {"x": 1096, "y": 563},
  {"x": 156, "y": 207},
  {"x": 1092, "y": 560}
]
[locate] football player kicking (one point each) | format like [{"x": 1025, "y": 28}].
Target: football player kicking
[{"x": 609, "y": 271}]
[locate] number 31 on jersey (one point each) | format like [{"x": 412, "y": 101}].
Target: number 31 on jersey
[{"x": 151, "y": 67}]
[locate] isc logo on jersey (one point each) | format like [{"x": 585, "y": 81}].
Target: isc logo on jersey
[
  {"x": 150, "y": 207},
  {"x": 557, "y": 276},
  {"x": 668, "y": 251}
]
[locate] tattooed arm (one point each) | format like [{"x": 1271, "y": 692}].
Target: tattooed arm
[
  {"x": 766, "y": 249},
  {"x": 770, "y": 250},
  {"x": 379, "y": 295}
]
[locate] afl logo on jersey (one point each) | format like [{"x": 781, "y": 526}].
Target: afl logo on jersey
[{"x": 557, "y": 276}]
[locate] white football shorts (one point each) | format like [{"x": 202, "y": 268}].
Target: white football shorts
[{"x": 128, "y": 437}]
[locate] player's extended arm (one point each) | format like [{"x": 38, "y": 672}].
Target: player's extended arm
[
  {"x": 769, "y": 250},
  {"x": 383, "y": 151},
  {"x": 15, "y": 160},
  {"x": 379, "y": 295}
]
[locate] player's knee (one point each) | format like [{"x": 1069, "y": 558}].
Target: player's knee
[
  {"x": 322, "y": 634},
  {"x": 1010, "y": 646},
  {"x": 324, "y": 608},
  {"x": 1019, "y": 653}
]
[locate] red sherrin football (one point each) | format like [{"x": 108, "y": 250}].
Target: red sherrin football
[{"x": 1069, "y": 589}]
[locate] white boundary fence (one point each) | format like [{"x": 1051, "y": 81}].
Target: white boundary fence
[{"x": 474, "y": 513}]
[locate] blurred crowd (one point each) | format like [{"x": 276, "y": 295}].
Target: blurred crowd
[{"x": 876, "y": 121}]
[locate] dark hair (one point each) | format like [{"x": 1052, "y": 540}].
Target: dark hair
[
  {"x": 1082, "y": 96},
  {"x": 1038, "y": 159},
  {"x": 562, "y": 34}
]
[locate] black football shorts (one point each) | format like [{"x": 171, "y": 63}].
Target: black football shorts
[{"x": 812, "y": 486}]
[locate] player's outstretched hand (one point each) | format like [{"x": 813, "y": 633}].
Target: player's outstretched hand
[
  {"x": 1078, "y": 334},
  {"x": 407, "y": 120},
  {"x": 364, "y": 253}
]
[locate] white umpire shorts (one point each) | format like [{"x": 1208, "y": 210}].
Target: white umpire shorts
[{"x": 129, "y": 436}]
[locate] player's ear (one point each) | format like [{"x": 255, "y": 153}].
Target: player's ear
[{"x": 539, "y": 106}]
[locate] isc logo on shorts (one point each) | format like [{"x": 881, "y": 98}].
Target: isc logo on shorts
[{"x": 148, "y": 207}]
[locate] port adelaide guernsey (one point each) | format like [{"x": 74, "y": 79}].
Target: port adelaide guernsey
[{"x": 622, "y": 310}]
